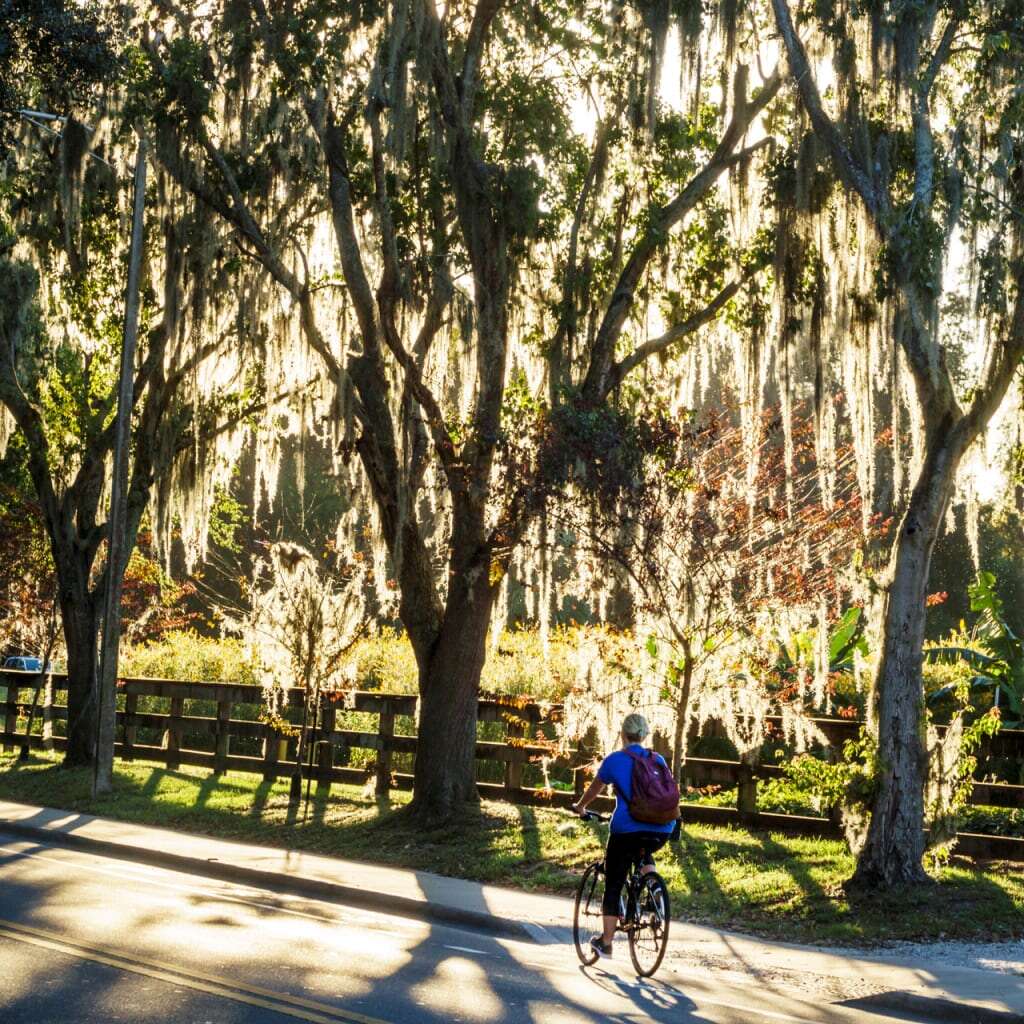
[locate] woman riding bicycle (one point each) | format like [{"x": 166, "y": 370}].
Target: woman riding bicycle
[{"x": 630, "y": 840}]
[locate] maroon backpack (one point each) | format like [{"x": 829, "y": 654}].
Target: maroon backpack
[{"x": 655, "y": 799}]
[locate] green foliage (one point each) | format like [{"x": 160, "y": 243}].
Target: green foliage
[
  {"x": 517, "y": 666},
  {"x": 681, "y": 143},
  {"x": 612, "y": 450},
  {"x": 847, "y": 640},
  {"x": 993, "y": 652},
  {"x": 796, "y": 656},
  {"x": 703, "y": 257},
  {"x": 850, "y": 781},
  {"x": 385, "y": 661},
  {"x": 186, "y": 654},
  {"x": 226, "y": 520},
  {"x": 983, "y": 727},
  {"x": 52, "y": 52},
  {"x": 186, "y": 79}
]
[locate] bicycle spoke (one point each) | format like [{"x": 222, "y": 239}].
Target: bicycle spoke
[
  {"x": 649, "y": 937},
  {"x": 587, "y": 910}
]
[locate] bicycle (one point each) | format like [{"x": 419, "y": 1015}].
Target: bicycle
[{"x": 644, "y": 913}]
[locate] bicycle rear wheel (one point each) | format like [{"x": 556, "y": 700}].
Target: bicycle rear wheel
[
  {"x": 586, "y": 916},
  {"x": 648, "y": 935}
]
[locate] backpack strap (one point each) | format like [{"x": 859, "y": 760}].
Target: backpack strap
[{"x": 633, "y": 756}]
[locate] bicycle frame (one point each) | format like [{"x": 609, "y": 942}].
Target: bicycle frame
[{"x": 630, "y": 920}]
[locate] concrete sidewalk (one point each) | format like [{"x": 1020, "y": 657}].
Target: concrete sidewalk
[{"x": 924, "y": 985}]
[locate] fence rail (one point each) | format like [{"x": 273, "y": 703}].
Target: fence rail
[{"x": 522, "y": 745}]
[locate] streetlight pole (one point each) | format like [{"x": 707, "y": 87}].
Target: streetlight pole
[{"x": 106, "y": 696}]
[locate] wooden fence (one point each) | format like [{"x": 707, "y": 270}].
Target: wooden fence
[{"x": 212, "y": 740}]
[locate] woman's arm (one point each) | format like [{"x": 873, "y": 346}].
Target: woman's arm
[{"x": 594, "y": 790}]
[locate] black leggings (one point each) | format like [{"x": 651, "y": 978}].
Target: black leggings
[{"x": 623, "y": 850}]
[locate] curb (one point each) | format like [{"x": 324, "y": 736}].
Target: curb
[{"x": 315, "y": 888}]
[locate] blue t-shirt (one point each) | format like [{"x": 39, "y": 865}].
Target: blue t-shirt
[{"x": 617, "y": 770}]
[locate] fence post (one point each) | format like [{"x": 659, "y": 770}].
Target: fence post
[
  {"x": 11, "y": 716},
  {"x": 220, "y": 756},
  {"x": 270, "y": 750},
  {"x": 746, "y": 793},
  {"x": 325, "y": 748},
  {"x": 131, "y": 706},
  {"x": 578, "y": 783},
  {"x": 48, "y": 692},
  {"x": 385, "y": 730},
  {"x": 585, "y": 749},
  {"x": 172, "y": 735},
  {"x": 835, "y": 815},
  {"x": 514, "y": 730}
]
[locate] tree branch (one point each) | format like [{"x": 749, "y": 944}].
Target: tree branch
[
  {"x": 598, "y": 381},
  {"x": 692, "y": 324},
  {"x": 387, "y": 294},
  {"x": 1006, "y": 361},
  {"x": 852, "y": 174},
  {"x": 19, "y": 290},
  {"x": 485, "y": 235},
  {"x": 483, "y": 18},
  {"x": 941, "y": 54},
  {"x": 566, "y": 331}
]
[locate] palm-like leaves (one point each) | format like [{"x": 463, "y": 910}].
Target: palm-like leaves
[{"x": 996, "y": 654}]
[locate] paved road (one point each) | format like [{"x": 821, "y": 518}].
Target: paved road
[{"x": 91, "y": 940}]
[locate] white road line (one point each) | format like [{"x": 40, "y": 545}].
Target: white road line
[
  {"x": 466, "y": 949},
  {"x": 280, "y": 1002}
]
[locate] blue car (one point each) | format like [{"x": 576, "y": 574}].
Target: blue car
[{"x": 26, "y": 664}]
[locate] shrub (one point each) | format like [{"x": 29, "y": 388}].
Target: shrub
[{"x": 185, "y": 654}]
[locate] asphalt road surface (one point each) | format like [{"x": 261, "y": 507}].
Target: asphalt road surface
[{"x": 94, "y": 940}]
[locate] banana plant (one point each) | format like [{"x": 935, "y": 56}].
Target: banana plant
[
  {"x": 993, "y": 651},
  {"x": 845, "y": 640}
]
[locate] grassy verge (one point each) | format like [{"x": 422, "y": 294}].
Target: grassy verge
[
  {"x": 771, "y": 885},
  {"x": 779, "y": 796}
]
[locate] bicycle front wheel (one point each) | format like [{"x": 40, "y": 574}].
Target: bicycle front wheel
[
  {"x": 648, "y": 936},
  {"x": 586, "y": 917}
]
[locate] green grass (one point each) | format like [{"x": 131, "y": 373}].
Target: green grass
[{"x": 771, "y": 885}]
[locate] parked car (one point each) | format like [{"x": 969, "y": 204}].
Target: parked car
[{"x": 24, "y": 664}]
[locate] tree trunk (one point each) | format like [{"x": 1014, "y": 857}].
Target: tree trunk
[
  {"x": 895, "y": 843},
  {"x": 449, "y": 690},
  {"x": 80, "y": 635},
  {"x": 682, "y": 713}
]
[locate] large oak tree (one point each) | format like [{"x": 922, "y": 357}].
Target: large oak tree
[
  {"x": 477, "y": 233},
  {"x": 924, "y": 129}
]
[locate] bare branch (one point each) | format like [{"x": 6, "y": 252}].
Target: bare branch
[
  {"x": 941, "y": 54},
  {"x": 924, "y": 142}
]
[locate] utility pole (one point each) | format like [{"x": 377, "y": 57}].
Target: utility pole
[{"x": 103, "y": 774}]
